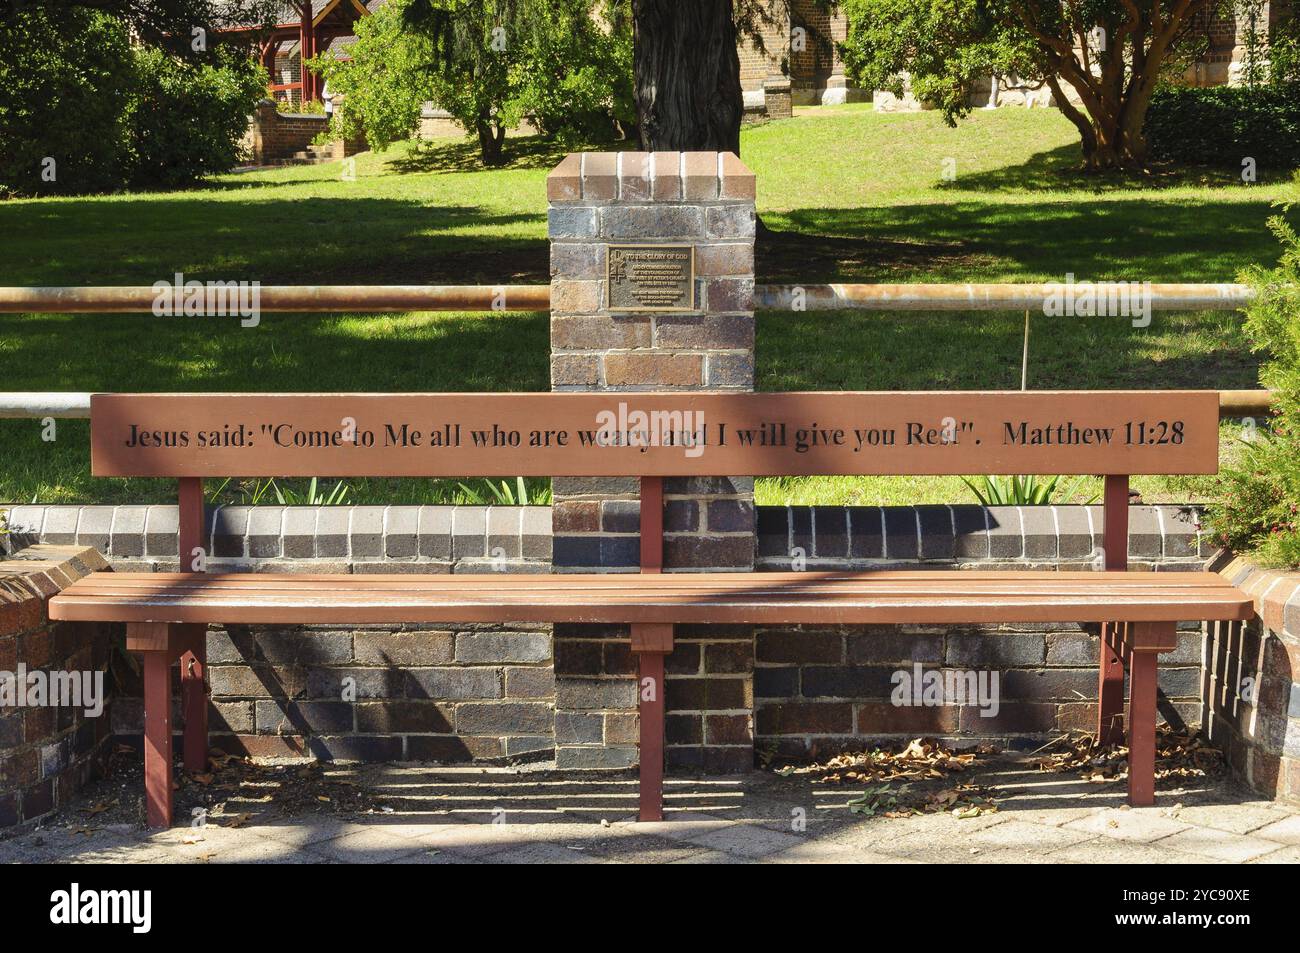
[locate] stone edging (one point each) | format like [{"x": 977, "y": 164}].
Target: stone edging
[
  {"x": 1276, "y": 594},
  {"x": 518, "y": 538}
]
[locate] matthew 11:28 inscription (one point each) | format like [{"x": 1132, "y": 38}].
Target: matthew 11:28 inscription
[{"x": 651, "y": 278}]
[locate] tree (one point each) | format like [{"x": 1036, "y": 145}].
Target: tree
[
  {"x": 1110, "y": 53},
  {"x": 688, "y": 90},
  {"x": 562, "y": 64},
  {"x": 84, "y": 109}
]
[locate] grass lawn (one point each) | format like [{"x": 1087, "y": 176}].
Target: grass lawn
[{"x": 849, "y": 194}]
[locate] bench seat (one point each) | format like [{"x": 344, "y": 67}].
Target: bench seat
[{"x": 813, "y": 598}]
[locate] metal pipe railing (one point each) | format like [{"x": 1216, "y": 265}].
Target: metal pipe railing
[
  {"x": 994, "y": 297},
  {"x": 778, "y": 297},
  {"x": 271, "y": 298},
  {"x": 74, "y": 404}
]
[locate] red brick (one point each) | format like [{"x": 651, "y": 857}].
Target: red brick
[
  {"x": 884, "y": 718},
  {"x": 665, "y": 370},
  {"x": 804, "y": 718},
  {"x": 727, "y": 730}
]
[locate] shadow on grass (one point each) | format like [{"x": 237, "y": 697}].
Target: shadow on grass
[
  {"x": 463, "y": 155},
  {"x": 1060, "y": 170},
  {"x": 317, "y": 239},
  {"x": 1116, "y": 237}
]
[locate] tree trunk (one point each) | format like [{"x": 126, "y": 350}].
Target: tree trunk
[
  {"x": 688, "y": 91},
  {"x": 491, "y": 139}
]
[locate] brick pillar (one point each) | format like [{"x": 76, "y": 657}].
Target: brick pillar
[{"x": 704, "y": 200}]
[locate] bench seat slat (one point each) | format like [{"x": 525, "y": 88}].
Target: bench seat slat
[{"x": 794, "y": 598}]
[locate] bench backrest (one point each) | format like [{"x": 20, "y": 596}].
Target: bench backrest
[{"x": 655, "y": 434}]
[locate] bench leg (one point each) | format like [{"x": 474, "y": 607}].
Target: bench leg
[
  {"x": 1110, "y": 688},
  {"x": 194, "y": 697},
  {"x": 158, "y": 738},
  {"x": 650, "y": 677},
  {"x": 1142, "y": 728}
]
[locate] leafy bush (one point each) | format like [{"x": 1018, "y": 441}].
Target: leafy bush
[
  {"x": 63, "y": 75},
  {"x": 1223, "y": 125},
  {"x": 1257, "y": 509},
  {"x": 83, "y": 110},
  {"x": 491, "y": 66},
  {"x": 187, "y": 119}
]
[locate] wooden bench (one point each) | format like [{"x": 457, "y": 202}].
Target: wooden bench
[{"x": 190, "y": 437}]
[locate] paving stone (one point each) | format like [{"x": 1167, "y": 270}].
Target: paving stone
[
  {"x": 1110, "y": 850},
  {"x": 1237, "y": 818},
  {"x": 1284, "y": 831},
  {"x": 372, "y": 845},
  {"x": 1219, "y": 844},
  {"x": 1141, "y": 825}
]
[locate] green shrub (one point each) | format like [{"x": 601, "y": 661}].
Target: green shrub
[
  {"x": 84, "y": 110},
  {"x": 63, "y": 81},
  {"x": 187, "y": 119},
  {"x": 1223, "y": 125},
  {"x": 1257, "y": 508}
]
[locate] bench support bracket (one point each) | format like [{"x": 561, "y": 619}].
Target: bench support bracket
[
  {"x": 193, "y": 638},
  {"x": 1146, "y": 640},
  {"x": 150, "y": 639},
  {"x": 1110, "y": 680}
]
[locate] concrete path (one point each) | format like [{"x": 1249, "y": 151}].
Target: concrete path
[{"x": 431, "y": 815}]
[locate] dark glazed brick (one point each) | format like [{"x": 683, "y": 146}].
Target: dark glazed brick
[
  {"x": 730, "y": 516},
  {"x": 832, "y": 524},
  {"x": 1075, "y": 532},
  {"x": 1006, "y": 539},
  {"x": 1040, "y": 532},
  {"x": 776, "y": 682},
  {"x": 801, "y": 530},
  {"x": 799, "y": 647},
  {"x": 887, "y": 644},
  {"x": 577, "y": 551},
  {"x": 681, "y": 516},
  {"x": 847, "y": 681},
  {"x": 800, "y": 718},
  {"x": 773, "y": 531},
  {"x": 971, "y": 538},
  {"x": 620, "y": 516},
  {"x": 936, "y": 532},
  {"x": 369, "y": 749},
  {"x": 1144, "y": 538},
  {"x": 620, "y": 551},
  {"x": 900, "y": 530},
  {"x": 865, "y": 527}
]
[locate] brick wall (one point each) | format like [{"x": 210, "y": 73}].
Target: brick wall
[
  {"x": 1251, "y": 686},
  {"x": 461, "y": 692},
  {"x": 275, "y": 136},
  {"x": 436, "y": 693},
  {"x": 824, "y": 689},
  {"x": 705, "y": 200},
  {"x": 47, "y": 752}
]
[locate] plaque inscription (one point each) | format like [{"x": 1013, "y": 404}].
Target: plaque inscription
[{"x": 651, "y": 278}]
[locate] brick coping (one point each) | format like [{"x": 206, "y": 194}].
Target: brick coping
[
  {"x": 520, "y": 539},
  {"x": 1276, "y": 593},
  {"x": 42, "y": 570}
]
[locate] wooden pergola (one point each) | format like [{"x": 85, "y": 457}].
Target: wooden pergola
[{"x": 313, "y": 24}]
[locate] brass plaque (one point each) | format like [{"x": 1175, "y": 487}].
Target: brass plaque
[{"x": 651, "y": 278}]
